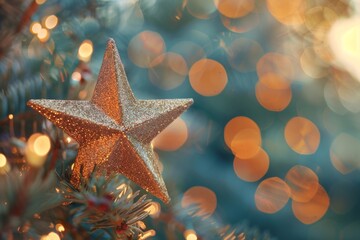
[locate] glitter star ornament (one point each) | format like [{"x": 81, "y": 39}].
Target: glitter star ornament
[{"x": 114, "y": 129}]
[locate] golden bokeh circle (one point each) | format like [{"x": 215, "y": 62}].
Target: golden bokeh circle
[
  {"x": 203, "y": 198},
  {"x": 172, "y": 137}
]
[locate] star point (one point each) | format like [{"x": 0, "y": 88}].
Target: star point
[{"x": 114, "y": 129}]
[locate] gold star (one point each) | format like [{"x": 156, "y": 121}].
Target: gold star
[{"x": 114, "y": 129}]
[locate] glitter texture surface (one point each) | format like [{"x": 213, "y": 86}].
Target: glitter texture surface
[{"x": 114, "y": 129}]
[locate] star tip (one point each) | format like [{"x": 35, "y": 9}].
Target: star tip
[{"x": 111, "y": 42}]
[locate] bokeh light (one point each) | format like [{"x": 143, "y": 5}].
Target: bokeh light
[
  {"x": 272, "y": 195},
  {"x": 238, "y": 125},
  {"x": 59, "y": 227},
  {"x": 243, "y": 54},
  {"x": 169, "y": 71},
  {"x": 275, "y": 63},
  {"x": 85, "y": 50},
  {"x": 40, "y": 1},
  {"x": 202, "y": 198},
  {"x": 303, "y": 183},
  {"x": 51, "y": 22},
  {"x": 287, "y": 12},
  {"x": 302, "y": 135},
  {"x": 43, "y": 35},
  {"x": 252, "y": 169},
  {"x": 3, "y": 160},
  {"x": 246, "y": 143},
  {"x": 35, "y": 27},
  {"x": 345, "y": 152},
  {"x": 313, "y": 210},
  {"x": 154, "y": 209},
  {"x": 145, "y": 47},
  {"x": 190, "y": 234},
  {"x": 273, "y": 92},
  {"x": 201, "y": 9},
  {"x": 172, "y": 137},
  {"x": 42, "y": 145},
  {"x": 234, "y": 8},
  {"x": 37, "y": 148},
  {"x": 208, "y": 77},
  {"x": 51, "y": 236}
]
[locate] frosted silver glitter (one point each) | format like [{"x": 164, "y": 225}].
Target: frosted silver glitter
[{"x": 114, "y": 129}]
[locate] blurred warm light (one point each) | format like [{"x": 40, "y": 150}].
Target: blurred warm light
[
  {"x": 275, "y": 63},
  {"x": 85, "y": 50},
  {"x": 40, "y": 1},
  {"x": 145, "y": 47},
  {"x": 169, "y": 71},
  {"x": 234, "y": 8},
  {"x": 303, "y": 183},
  {"x": 190, "y": 234},
  {"x": 246, "y": 143},
  {"x": 76, "y": 76},
  {"x": 345, "y": 152},
  {"x": 43, "y": 35},
  {"x": 35, "y": 27},
  {"x": 273, "y": 92},
  {"x": 201, "y": 9},
  {"x": 59, "y": 227},
  {"x": 203, "y": 198},
  {"x": 50, "y": 236},
  {"x": 241, "y": 24},
  {"x": 313, "y": 210},
  {"x": 239, "y": 124},
  {"x": 208, "y": 77},
  {"x": 3, "y": 160},
  {"x": 37, "y": 148},
  {"x": 11, "y": 116},
  {"x": 147, "y": 234},
  {"x": 344, "y": 41},
  {"x": 287, "y": 12},
  {"x": 302, "y": 135},
  {"x": 172, "y": 137},
  {"x": 252, "y": 169},
  {"x": 243, "y": 54},
  {"x": 51, "y": 21},
  {"x": 154, "y": 209},
  {"x": 311, "y": 65},
  {"x": 190, "y": 51},
  {"x": 272, "y": 195}
]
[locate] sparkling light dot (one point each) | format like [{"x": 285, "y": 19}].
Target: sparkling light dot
[
  {"x": 272, "y": 195},
  {"x": 201, "y": 197},
  {"x": 234, "y": 8},
  {"x": 208, "y": 77},
  {"x": 43, "y": 35},
  {"x": 3, "y": 160},
  {"x": 51, "y": 22},
  {"x": 303, "y": 183},
  {"x": 190, "y": 235},
  {"x": 85, "y": 50},
  {"x": 302, "y": 135},
  {"x": 145, "y": 47},
  {"x": 201, "y": 9},
  {"x": 170, "y": 72},
  {"x": 35, "y": 27},
  {"x": 237, "y": 125},
  {"x": 252, "y": 169},
  {"x": 172, "y": 137},
  {"x": 313, "y": 210}
]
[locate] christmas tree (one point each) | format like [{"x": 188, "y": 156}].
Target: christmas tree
[{"x": 95, "y": 142}]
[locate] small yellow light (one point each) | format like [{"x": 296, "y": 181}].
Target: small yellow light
[
  {"x": 85, "y": 50},
  {"x": 147, "y": 234},
  {"x": 11, "y": 116},
  {"x": 39, "y": 2},
  {"x": 51, "y": 22},
  {"x": 190, "y": 234},
  {"x": 50, "y": 236},
  {"x": 76, "y": 76},
  {"x": 59, "y": 227},
  {"x": 37, "y": 148},
  {"x": 154, "y": 209},
  {"x": 42, "y": 145},
  {"x": 43, "y": 35},
  {"x": 3, "y": 160},
  {"x": 35, "y": 27}
]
